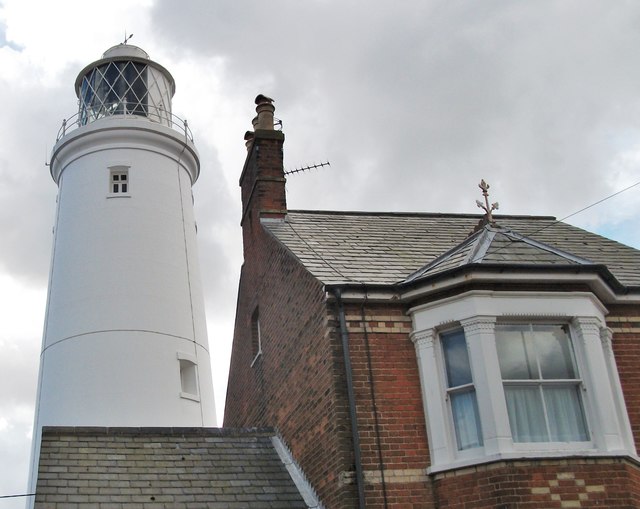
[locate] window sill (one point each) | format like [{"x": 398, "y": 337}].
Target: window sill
[
  {"x": 192, "y": 397},
  {"x": 118, "y": 195}
]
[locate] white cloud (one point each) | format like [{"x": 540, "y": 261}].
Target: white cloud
[{"x": 21, "y": 310}]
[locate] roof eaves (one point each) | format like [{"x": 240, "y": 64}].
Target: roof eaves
[
  {"x": 603, "y": 282},
  {"x": 357, "y": 292},
  {"x": 615, "y": 287}
]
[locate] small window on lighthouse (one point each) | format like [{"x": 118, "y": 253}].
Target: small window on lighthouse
[{"x": 119, "y": 182}]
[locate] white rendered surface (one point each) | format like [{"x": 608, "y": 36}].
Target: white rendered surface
[
  {"x": 124, "y": 274},
  {"x": 125, "y": 300}
]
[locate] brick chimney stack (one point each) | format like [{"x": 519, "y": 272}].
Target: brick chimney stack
[{"x": 262, "y": 181}]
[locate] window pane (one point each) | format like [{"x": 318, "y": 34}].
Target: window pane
[
  {"x": 515, "y": 352},
  {"x": 456, "y": 358},
  {"x": 554, "y": 352},
  {"x": 111, "y": 87},
  {"x": 526, "y": 414},
  {"x": 138, "y": 93},
  {"x": 565, "y": 413},
  {"x": 466, "y": 419}
]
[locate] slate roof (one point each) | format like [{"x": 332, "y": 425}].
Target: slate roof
[
  {"x": 386, "y": 248},
  {"x": 181, "y": 468}
]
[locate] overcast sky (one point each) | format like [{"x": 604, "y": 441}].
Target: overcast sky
[{"x": 412, "y": 102}]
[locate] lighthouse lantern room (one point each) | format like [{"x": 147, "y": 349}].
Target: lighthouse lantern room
[{"x": 125, "y": 82}]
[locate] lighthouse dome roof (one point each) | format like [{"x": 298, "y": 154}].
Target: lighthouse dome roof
[{"x": 125, "y": 50}]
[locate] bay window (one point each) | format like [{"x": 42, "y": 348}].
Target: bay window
[{"x": 517, "y": 374}]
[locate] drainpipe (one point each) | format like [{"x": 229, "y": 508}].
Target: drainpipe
[{"x": 352, "y": 399}]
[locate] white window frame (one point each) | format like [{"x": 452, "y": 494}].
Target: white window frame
[
  {"x": 540, "y": 382},
  {"x": 449, "y": 391},
  {"x": 118, "y": 171},
  {"x": 477, "y": 313}
]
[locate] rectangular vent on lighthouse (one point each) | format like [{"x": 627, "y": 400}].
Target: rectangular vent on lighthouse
[{"x": 188, "y": 377}]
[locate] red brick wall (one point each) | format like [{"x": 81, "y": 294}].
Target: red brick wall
[
  {"x": 393, "y": 385},
  {"x": 296, "y": 384},
  {"x": 625, "y": 324},
  {"x": 301, "y": 374},
  {"x": 548, "y": 484}
]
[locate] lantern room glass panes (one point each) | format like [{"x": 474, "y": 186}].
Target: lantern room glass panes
[
  {"x": 125, "y": 88},
  {"x": 541, "y": 383}
]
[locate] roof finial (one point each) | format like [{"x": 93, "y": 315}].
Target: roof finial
[
  {"x": 126, "y": 39},
  {"x": 488, "y": 209}
]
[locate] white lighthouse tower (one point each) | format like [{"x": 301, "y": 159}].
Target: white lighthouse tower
[{"x": 125, "y": 340}]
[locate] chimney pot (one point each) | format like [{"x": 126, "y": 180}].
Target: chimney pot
[
  {"x": 263, "y": 98},
  {"x": 248, "y": 139},
  {"x": 265, "y": 110}
]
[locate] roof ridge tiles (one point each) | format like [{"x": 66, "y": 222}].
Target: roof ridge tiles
[{"x": 417, "y": 214}]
